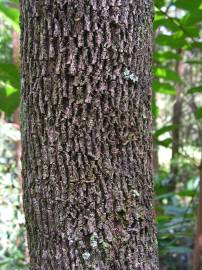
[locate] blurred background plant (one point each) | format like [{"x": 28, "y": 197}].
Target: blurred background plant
[{"x": 177, "y": 132}]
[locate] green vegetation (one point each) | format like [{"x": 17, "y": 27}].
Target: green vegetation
[{"x": 177, "y": 132}]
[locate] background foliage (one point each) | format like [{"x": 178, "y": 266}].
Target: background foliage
[{"x": 177, "y": 132}]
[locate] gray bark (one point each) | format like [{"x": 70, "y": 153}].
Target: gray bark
[{"x": 86, "y": 134}]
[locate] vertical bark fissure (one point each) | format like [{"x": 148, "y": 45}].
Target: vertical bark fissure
[{"x": 86, "y": 134}]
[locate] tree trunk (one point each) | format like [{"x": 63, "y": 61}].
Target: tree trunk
[
  {"x": 86, "y": 134},
  {"x": 176, "y": 121},
  {"x": 155, "y": 146},
  {"x": 197, "y": 254}
]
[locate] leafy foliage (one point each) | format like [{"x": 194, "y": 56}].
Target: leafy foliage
[
  {"x": 9, "y": 72},
  {"x": 12, "y": 231},
  {"x": 177, "y": 28},
  {"x": 177, "y": 32}
]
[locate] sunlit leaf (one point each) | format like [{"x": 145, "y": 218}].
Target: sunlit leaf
[
  {"x": 11, "y": 14},
  {"x": 167, "y": 74},
  {"x": 187, "y": 193},
  {"x": 167, "y": 55},
  {"x": 163, "y": 88},
  {"x": 9, "y": 98}
]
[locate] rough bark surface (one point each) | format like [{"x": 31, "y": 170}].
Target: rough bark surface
[{"x": 86, "y": 134}]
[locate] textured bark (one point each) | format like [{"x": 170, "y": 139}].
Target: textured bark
[
  {"x": 86, "y": 134},
  {"x": 155, "y": 146}
]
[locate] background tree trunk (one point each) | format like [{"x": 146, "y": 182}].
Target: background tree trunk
[
  {"x": 177, "y": 121},
  {"x": 86, "y": 134},
  {"x": 197, "y": 254}
]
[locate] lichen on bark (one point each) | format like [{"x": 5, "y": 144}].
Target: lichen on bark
[{"x": 87, "y": 164}]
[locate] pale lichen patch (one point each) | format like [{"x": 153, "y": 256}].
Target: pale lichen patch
[{"x": 128, "y": 75}]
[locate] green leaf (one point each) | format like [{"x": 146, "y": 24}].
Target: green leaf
[
  {"x": 193, "y": 90},
  {"x": 194, "y": 62},
  {"x": 188, "y": 5},
  {"x": 163, "y": 218},
  {"x": 159, "y": 3},
  {"x": 167, "y": 74},
  {"x": 198, "y": 113},
  {"x": 196, "y": 44},
  {"x": 187, "y": 193},
  {"x": 9, "y": 98},
  {"x": 168, "y": 55},
  {"x": 191, "y": 31},
  {"x": 163, "y": 88},
  {"x": 13, "y": 1},
  {"x": 9, "y": 73},
  {"x": 169, "y": 24},
  {"x": 165, "y": 143},
  {"x": 192, "y": 18},
  {"x": 164, "y": 130},
  {"x": 155, "y": 109},
  {"x": 174, "y": 41},
  {"x": 11, "y": 14}
]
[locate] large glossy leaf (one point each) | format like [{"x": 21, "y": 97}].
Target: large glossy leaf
[{"x": 9, "y": 98}]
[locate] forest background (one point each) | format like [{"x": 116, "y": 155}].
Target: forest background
[{"x": 177, "y": 134}]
